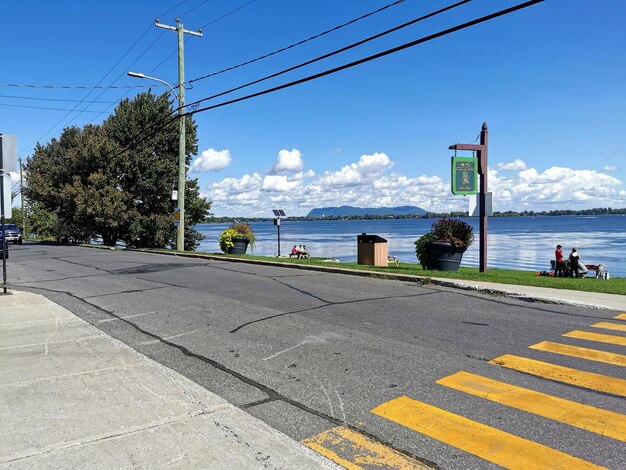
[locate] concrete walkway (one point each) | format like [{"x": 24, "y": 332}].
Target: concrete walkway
[
  {"x": 73, "y": 397},
  {"x": 543, "y": 294}
]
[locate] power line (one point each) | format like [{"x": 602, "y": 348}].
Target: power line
[
  {"x": 202, "y": 27},
  {"x": 26, "y": 85},
  {"x": 371, "y": 57},
  {"x": 323, "y": 33},
  {"x": 50, "y": 99},
  {"x": 338, "y": 51},
  {"x": 167, "y": 120},
  {"x": 227, "y": 14},
  {"x": 43, "y": 107},
  {"x": 173, "y": 8},
  {"x": 103, "y": 78},
  {"x": 194, "y": 8}
]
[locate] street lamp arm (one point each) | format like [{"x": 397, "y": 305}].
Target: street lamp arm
[{"x": 141, "y": 75}]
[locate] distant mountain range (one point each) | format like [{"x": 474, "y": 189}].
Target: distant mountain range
[{"x": 344, "y": 211}]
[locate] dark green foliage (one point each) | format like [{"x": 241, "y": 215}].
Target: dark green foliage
[
  {"x": 454, "y": 231},
  {"x": 115, "y": 180},
  {"x": 421, "y": 249}
]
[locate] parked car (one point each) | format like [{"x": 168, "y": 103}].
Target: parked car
[{"x": 12, "y": 234}]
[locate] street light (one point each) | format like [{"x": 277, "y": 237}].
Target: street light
[{"x": 182, "y": 169}]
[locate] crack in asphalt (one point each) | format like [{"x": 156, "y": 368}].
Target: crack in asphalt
[
  {"x": 327, "y": 304},
  {"x": 132, "y": 291},
  {"x": 272, "y": 395}
]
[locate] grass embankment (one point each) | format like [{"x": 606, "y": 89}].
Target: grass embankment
[{"x": 502, "y": 276}]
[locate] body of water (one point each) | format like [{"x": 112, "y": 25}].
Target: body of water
[{"x": 523, "y": 243}]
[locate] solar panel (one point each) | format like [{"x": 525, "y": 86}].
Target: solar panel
[{"x": 279, "y": 213}]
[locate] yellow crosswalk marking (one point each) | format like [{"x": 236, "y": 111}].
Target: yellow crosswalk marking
[
  {"x": 610, "y": 326},
  {"x": 584, "y": 353},
  {"x": 621, "y": 316},
  {"x": 591, "y": 380},
  {"x": 604, "y": 422},
  {"x": 598, "y": 337},
  {"x": 488, "y": 443},
  {"x": 355, "y": 451}
]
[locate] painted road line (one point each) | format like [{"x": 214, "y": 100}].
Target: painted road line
[
  {"x": 584, "y": 353},
  {"x": 621, "y": 316},
  {"x": 598, "y": 337},
  {"x": 589, "y": 418},
  {"x": 356, "y": 451},
  {"x": 590, "y": 380},
  {"x": 610, "y": 326},
  {"x": 491, "y": 444}
]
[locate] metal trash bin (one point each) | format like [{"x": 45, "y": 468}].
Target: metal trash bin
[{"x": 372, "y": 250}]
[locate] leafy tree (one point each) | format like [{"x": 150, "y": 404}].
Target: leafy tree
[{"x": 115, "y": 180}]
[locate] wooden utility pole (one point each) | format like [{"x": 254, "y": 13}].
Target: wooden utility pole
[
  {"x": 481, "y": 152},
  {"x": 182, "y": 166}
]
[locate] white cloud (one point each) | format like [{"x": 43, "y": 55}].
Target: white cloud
[
  {"x": 610, "y": 168},
  {"x": 279, "y": 183},
  {"x": 361, "y": 172},
  {"x": 288, "y": 161},
  {"x": 515, "y": 165},
  {"x": 371, "y": 182},
  {"x": 211, "y": 160}
]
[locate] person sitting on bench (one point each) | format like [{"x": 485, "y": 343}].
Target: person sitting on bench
[
  {"x": 294, "y": 252},
  {"x": 304, "y": 253}
]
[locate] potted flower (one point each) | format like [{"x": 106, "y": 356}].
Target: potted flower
[
  {"x": 443, "y": 247},
  {"x": 236, "y": 238}
]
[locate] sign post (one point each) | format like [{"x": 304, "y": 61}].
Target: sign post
[
  {"x": 278, "y": 213},
  {"x": 481, "y": 153},
  {"x": 8, "y": 163}
]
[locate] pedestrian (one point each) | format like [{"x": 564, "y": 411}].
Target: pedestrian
[
  {"x": 559, "y": 269},
  {"x": 576, "y": 265}
]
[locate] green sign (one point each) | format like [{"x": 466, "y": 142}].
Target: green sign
[{"x": 464, "y": 175}]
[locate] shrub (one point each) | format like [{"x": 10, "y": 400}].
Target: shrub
[
  {"x": 236, "y": 229},
  {"x": 421, "y": 249},
  {"x": 454, "y": 231}
]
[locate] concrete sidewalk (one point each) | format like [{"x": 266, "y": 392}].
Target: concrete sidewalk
[
  {"x": 543, "y": 294},
  {"x": 73, "y": 397}
]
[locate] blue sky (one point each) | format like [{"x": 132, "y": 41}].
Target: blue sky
[{"x": 548, "y": 80}]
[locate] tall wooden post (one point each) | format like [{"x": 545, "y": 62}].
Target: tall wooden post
[{"x": 483, "y": 168}]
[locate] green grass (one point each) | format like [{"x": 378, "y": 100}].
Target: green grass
[{"x": 502, "y": 276}]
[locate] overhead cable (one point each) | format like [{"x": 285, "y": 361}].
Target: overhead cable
[
  {"x": 158, "y": 126},
  {"x": 43, "y": 107},
  {"x": 50, "y": 99},
  {"x": 338, "y": 51},
  {"x": 291, "y": 46},
  {"x": 370, "y": 58}
]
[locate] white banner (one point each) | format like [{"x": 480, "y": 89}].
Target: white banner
[
  {"x": 6, "y": 210},
  {"x": 8, "y": 153}
]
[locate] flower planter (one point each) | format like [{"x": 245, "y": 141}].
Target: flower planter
[
  {"x": 444, "y": 256},
  {"x": 240, "y": 245}
]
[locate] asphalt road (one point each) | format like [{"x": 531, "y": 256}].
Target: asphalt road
[{"x": 309, "y": 351}]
